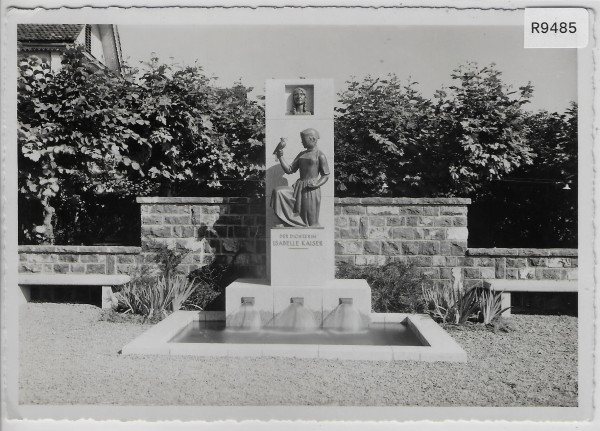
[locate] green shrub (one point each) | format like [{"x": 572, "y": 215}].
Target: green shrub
[
  {"x": 141, "y": 296},
  {"x": 178, "y": 288},
  {"x": 210, "y": 282},
  {"x": 86, "y": 133},
  {"x": 395, "y": 287},
  {"x": 154, "y": 296},
  {"x": 457, "y": 306}
]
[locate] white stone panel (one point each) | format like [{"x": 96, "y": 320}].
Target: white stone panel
[{"x": 301, "y": 257}]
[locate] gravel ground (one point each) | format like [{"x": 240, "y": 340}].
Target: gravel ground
[{"x": 69, "y": 356}]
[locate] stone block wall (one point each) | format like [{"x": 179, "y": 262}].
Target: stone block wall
[
  {"x": 430, "y": 233},
  {"x": 519, "y": 264},
  {"x": 66, "y": 259},
  {"x": 226, "y": 229}
]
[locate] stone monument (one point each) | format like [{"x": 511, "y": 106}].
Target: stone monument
[
  {"x": 299, "y": 215},
  {"x": 299, "y": 182}
]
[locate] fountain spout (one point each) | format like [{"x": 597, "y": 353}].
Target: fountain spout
[
  {"x": 246, "y": 317},
  {"x": 296, "y": 317},
  {"x": 345, "y": 317}
]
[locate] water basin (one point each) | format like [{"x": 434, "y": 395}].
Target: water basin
[
  {"x": 388, "y": 337},
  {"x": 377, "y": 334}
]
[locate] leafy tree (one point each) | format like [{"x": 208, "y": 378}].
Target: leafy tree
[
  {"x": 382, "y": 131},
  {"x": 481, "y": 131},
  {"x": 553, "y": 139},
  {"x": 516, "y": 163},
  {"x": 74, "y": 123},
  {"x": 90, "y": 141},
  {"x": 388, "y": 136},
  {"x": 474, "y": 140},
  {"x": 532, "y": 207},
  {"x": 204, "y": 139}
]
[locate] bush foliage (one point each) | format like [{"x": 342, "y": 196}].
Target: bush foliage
[
  {"x": 400, "y": 288},
  {"x": 211, "y": 279},
  {"x": 388, "y": 136},
  {"x": 532, "y": 208},
  {"x": 474, "y": 139},
  {"x": 154, "y": 295},
  {"x": 395, "y": 287},
  {"x": 90, "y": 141},
  {"x": 447, "y": 304}
]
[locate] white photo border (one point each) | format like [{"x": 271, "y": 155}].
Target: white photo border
[{"x": 430, "y": 13}]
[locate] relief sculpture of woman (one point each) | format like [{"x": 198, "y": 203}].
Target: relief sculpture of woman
[
  {"x": 299, "y": 205},
  {"x": 299, "y": 102}
]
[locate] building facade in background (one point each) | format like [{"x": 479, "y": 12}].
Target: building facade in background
[{"x": 49, "y": 41}]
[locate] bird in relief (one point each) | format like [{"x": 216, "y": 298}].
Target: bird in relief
[{"x": 280, "y": 146}]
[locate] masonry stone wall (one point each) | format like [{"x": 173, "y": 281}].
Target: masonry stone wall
[
  {"x": 229, "y": 230},
  {"x": 429, "y": 233},
  {"x": 67, "y": 259},
  {"x": 519, "y": 264}
]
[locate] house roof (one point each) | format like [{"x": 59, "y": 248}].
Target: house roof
[
  {"x": 57, "y": 37},
  {"x": 48, "y": 32}
]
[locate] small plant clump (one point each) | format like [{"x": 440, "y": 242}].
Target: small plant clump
[
  {"x": 490, "y": 305},
  {"x": 449, "y": 304},
  {"x": 399, "y": 288},
  {"x": 458, "y": 306},
  {"x": 155, "y": 295}
]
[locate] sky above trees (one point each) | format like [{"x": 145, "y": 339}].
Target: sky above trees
[{"x": 425, "y": 54}]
